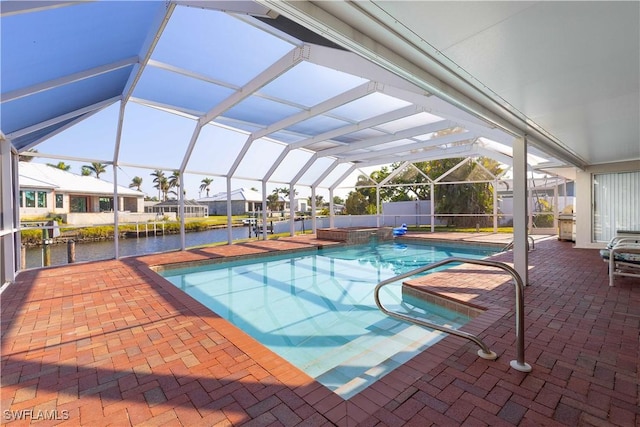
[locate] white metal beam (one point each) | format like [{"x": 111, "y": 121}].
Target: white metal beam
[
  {"x": 402, "y": 168},
  {"x": 71, "y": 158},
  {"x": 502, "y": 158},
  {"x": 441, "y": 108},
  {"x": 438, "y": 107},
  {"x": 447, "y": 139},
  {"x": 327, "y": 105},
  {"x": 10, "y": 8},
  {"x": 68, "y": 79},
  {"x": 157, "y": 28},
  {"x": 191, "y": 74},
  {"x": 421, "y": 65},
  {"x": 436, "y": 154},
  {"x": 116, "y": 148},
  {"x": 453, "y": 169},
  {"x": 475, "y": 160},
  {"x": 316, "y": 110},
  {"x": 81, "y": 113},
  {"x": 230, "y": 6},
  {"x": 342, "y": 177},
  {"x": 434, "y": 105},
  {"x": 276, "y": 163},
  {"x": 288, "y": 61},
  {"x": 325, "y": 173},
  {"x": 365, "y": 124},
  {"x": 349, "y": 62},
  {"x": 395, "y": 172},
  {"x": 171, "y": 109},
  {"x": 383, "y": 139},
  {"x": 304, "y": 169}
]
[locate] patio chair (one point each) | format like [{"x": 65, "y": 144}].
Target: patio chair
[{"x": 623, "y": 256}]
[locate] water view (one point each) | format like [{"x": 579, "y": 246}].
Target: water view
[{"x": 92, "y": 251}]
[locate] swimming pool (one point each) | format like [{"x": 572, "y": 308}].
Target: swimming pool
[{"x": 316, "y": 309}]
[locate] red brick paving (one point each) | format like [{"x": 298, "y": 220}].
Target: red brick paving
[{"x": 112, "y": 343}]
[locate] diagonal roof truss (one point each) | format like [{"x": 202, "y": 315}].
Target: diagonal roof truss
[{"x": 240, "y": 84}]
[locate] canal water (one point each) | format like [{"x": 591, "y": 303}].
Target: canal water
[{"x": 92, "y": 251}]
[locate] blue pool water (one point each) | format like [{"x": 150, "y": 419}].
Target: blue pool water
[{"x": 317, "y": 309}]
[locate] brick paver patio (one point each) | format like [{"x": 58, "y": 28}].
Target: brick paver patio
[{"x": 113, "y": 344}]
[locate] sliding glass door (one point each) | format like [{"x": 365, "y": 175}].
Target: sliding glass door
[{"x": 616, "y": 204}]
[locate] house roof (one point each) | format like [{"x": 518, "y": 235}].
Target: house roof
[
  {"x": 175, "y": 202},
  {"x": 242, "y": 194},
  {"x": 39, "y": 175}
]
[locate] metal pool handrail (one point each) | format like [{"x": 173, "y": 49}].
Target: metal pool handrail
[
  {"x": 530, "y": 248},
  {"x": 484, "y": 352}
]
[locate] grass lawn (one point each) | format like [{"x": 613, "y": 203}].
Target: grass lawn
[{"x": 460, "y": 229}]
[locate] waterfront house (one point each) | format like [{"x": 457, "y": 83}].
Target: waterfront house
[
  {"x": 243, "y": 201},
  {"x": 46, "y": 191},
  {"x": 170, "y": 209}
]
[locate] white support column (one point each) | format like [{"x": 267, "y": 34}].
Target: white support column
[
  {"x": 15, "y": 207},
  {"x": 292, "y": 212},
  {"x": 264, "y": 210},
  {"x": 191, "y": 146},
  {"x": 520, "y": 252},
  {"x": 116, "y": 156},
  {"x": 495, "y": 205},
  {"x": 183, "y": 237},
  {"x": 531, "y": 203},
  {"x": 332, "y": 214},
  {"x": 10, "y": 246},
  {"x": 432, "y": 202},
  {"x": 292, "y": 195},
  {"x": 556, "y": 211},
  {"x": 229, "y": 219},
  {"x": 378, "y": 205},
  {"x": 116, "y": 206},
  {"x": 333, "y": 187},
  {"x": 313, "y": 210}
]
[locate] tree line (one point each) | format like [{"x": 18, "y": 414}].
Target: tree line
[{"x": 459, "y": 197}]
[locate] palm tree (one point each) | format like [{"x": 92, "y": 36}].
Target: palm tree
[
  {"x": 285, "y": 191},
  {"x": 96, "y": 168},
  {"x": 272, "y": 201},
  {"x": 160, "y": 181},
  {"x": 163, "y": 187},
  {"x": 174, "y": 182},
  {"x": 136, "y": 183},
  {"x": 85, "y": 171},
  {"x": 60, "y": 165},
  {"x": 204, "y": 185},
  {"x": 319, "y": 200}
]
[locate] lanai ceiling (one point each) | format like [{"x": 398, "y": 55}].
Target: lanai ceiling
[{"x": 261, "y": 97}]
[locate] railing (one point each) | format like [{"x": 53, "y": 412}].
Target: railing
[
  {"x": 530, "y": 248},
  {"x": 484, "y": 352}
]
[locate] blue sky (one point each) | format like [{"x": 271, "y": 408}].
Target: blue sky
[
  {"x": 162, "y": 143},
  {"x": 159, "y": 139}
]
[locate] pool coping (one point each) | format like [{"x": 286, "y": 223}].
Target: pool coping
[{"x": 382, "y": 391}]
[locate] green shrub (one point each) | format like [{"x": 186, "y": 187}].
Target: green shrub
[
  {"x": 91, "y": 233},
  {"x": 31, "y": 237},
  {"x": 196, "y": 226}
]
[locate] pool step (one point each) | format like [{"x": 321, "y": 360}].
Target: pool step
[{"x": 353, "y": 367}]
